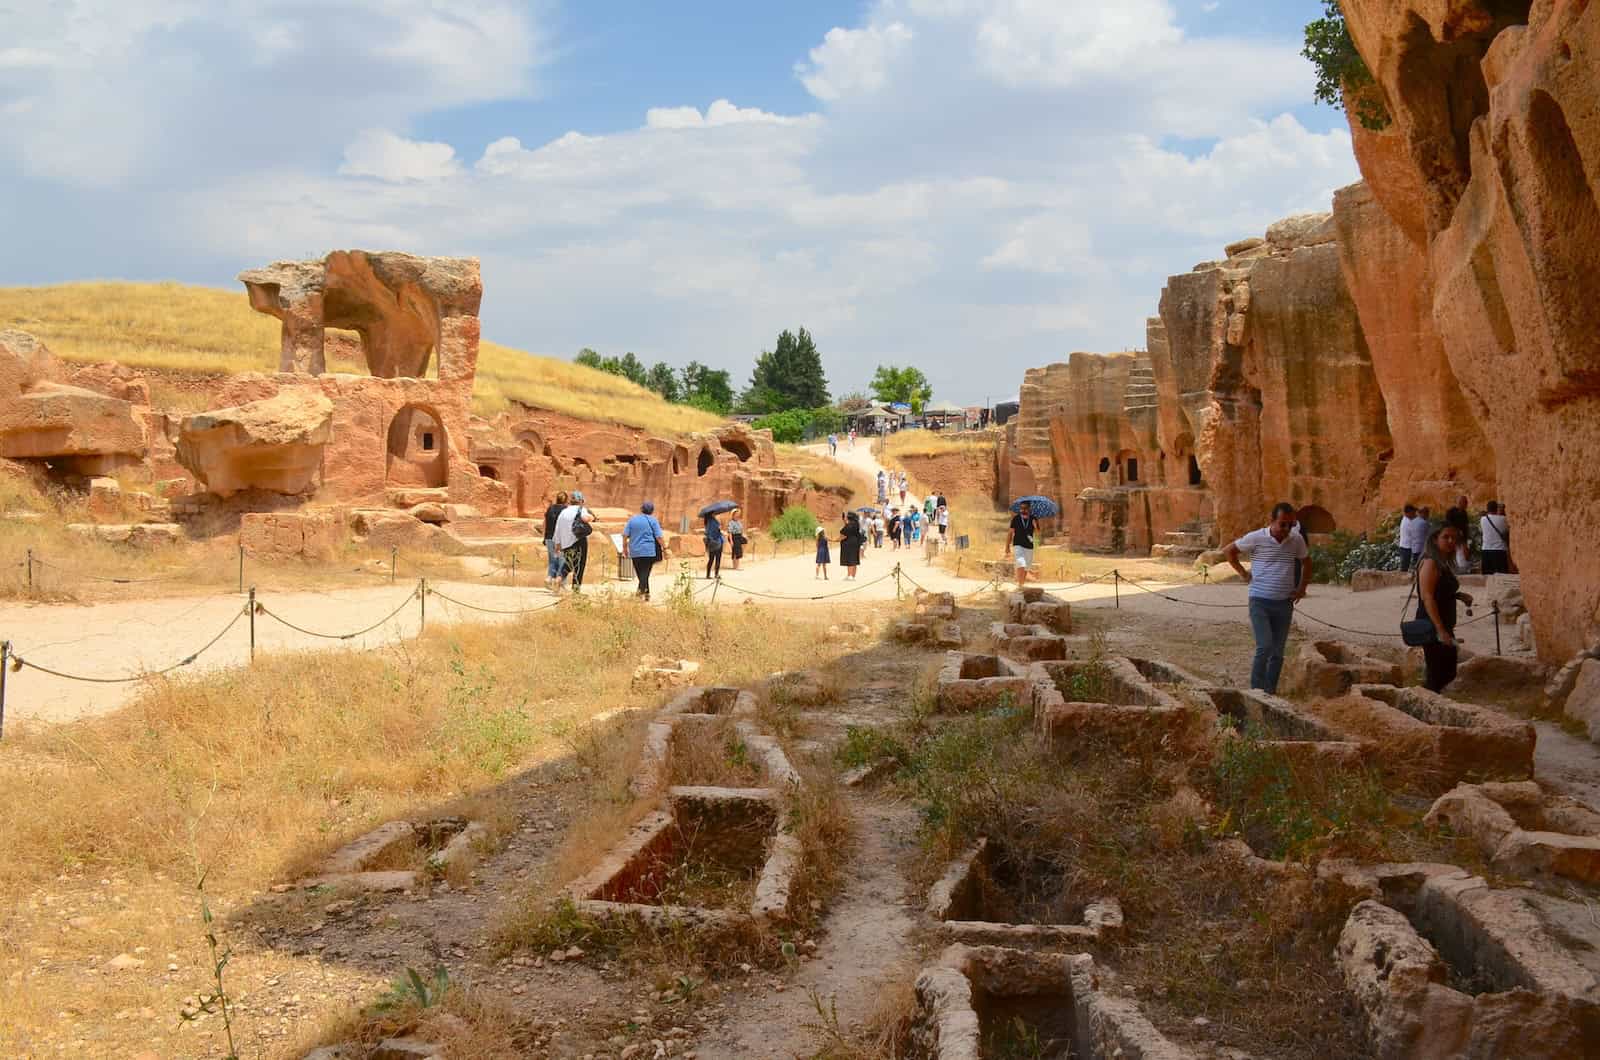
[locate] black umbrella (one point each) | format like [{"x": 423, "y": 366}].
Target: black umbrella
[
  {"x": 717, "y": 508},
  {"x": 1043, "y": 507}
]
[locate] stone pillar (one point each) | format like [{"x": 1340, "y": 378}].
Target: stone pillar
[
  {"x": 458, "y": 349},
  {"x": 302, "y": 335}
]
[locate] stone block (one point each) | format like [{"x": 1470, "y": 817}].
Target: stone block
[
  {"x": 1583, "y": 702},
  {"x": 1363, "y": 581}
]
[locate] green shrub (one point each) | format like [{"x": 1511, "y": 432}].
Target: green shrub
[
  {"x": 1343, "y": 79},
  {"x": 1347, "y": 553},
  {"x": 795, "y": 425},
  {"x": 794, "y": 524}
]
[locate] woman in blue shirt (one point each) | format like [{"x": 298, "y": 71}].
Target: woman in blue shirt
[
  {"x": 644, "y": 543},
  {"x": 713, "y": 546}
]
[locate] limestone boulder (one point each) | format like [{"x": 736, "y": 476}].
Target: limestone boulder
[
  {"x": 1495, "y": 675},
  {"x": 273, "y": 444},
  {"x": 24, "y": 363},
  {"x": 1583, "y": 703},
  {"x": 54, "y": 420}
]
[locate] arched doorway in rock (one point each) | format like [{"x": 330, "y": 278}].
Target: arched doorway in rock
[
  {"x": 703, "y": 464},
  {"x": 1105, "y": 464},
  {"x": 1315, "y": 520},
  {"x": 1183, "y": 448},
  {"x": 418, "y": 449},
  {"x": 738, "y": 448},
  {"x": 1127, "y": 467}
]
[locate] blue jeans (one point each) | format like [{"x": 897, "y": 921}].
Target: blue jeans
[
  {"x": 1405, "y": 559},
  {"x": 1269, "y": 621},
  {"x": 553, "y": 561}
]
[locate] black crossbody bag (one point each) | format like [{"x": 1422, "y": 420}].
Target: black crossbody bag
[{"x": 1416, "y": 632}]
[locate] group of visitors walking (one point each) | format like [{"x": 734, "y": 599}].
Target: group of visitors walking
[{"x": 567, "y": 526}]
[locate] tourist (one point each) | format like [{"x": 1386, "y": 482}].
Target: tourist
[
  {"x": 883, "y": 488},
  {"x": 1437, "y": 591},
  {"x": 1463, "y": 560},
  {"x": 877, "y": 531},
  {"x": 736, "y": 536},
  {"x": 553, "y": 559},
  {"x": 915, "y": 517},
  {"x": 941, "y": 515},
  {"x": 644, "y": 543},
  {"x": 1413, "y": 535},
  {"x": 850, "y": 542},
  {"x": 1019, "y": 541},
  {"x": 903, "y": 485},
  {"x": 930, "y": 545},
  {"x": 833, "y": 445},
  {"x": 852, "y": 439},
  {"x": 928, "y": 506},
  {"x": 1457, "y": 517},
  {"x": 713, "y": 535},
  {"x": 1496, "y": 540},
  {"x": 573, "y": 528},
  {"x": 894, "y": 529},
  {"x": 823, "y": 558},
  {"x": 1273, "y": 589}
]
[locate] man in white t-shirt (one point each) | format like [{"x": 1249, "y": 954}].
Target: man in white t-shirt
[
  {"x": 1413, "y": 537},
  {"x": 574, "y": 545},
  {"x": 1496, "y": 540},
  {"x": 1274, "y": 589}
]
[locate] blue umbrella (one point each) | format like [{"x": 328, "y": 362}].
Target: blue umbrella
[
  {"x": 717, "y": 508},
  {"x": 868, "y": 510},
  {"x": 1043, "y": 507}
]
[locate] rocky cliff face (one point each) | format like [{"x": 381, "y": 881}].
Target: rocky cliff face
[
  {"x": 1291, "y": 409},
  {"x": 1493, "y": 165}
]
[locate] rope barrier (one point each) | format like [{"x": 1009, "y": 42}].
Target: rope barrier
[
  {"x": 1175, "y": 599},
  {"x": 496, "y": 610},
  {"x": 19, "y": 662},
  {"x": 262, "y": 609},
  {"x": 821, "y": 596},
  {"x": 175, "y": 576}
]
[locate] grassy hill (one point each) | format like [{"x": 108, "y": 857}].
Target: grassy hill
[{"x": 169, "y": 327}]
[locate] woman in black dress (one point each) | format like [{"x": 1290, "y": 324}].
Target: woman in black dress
[
  {"x": 850, "y": 541},
  {"x": 1438, "y": 590}
]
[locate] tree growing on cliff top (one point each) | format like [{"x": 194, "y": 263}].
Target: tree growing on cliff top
[
  {"x": 789, "y": 376},
  {"x": 1343, "y": 79},
  {"x": 908, "y": 385}
]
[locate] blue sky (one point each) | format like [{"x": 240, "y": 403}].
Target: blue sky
[{"x": 973, "y": 187}]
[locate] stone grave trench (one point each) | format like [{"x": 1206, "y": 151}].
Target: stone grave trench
[{"x": 985, "y": 958}]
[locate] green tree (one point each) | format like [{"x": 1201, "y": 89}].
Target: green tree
[
  {"x": 664, "y": 381},
  {"x": 1343, "y": 79},
  {"x": 789, "y": 376},
  {"x": 588, "y": 358},
  {"x": 628, "y": 366},
  {"x": 707, "y": 388},
  {"x": 890, "y": 384},
  {"x": 787, "y": 426}
]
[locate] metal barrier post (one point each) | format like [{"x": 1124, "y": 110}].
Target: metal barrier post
[
  {"x": 422, "y": 595},
  {"x": 251, "y": 606},
  {"x": 1494, "y": 609},
  {"x": 1116, "y": 585},
  {"x": 394, "y": 561},
  {"x": 898, "y": 595},
  {"x": 716, "y": 584},
  {"x": 241, "y": 566},
  {"x": 513, "y": 568},
  {"x": 5, "y": 668},
  {"x": 30, "y": 570},
  {"x": 958, "y": 565}
]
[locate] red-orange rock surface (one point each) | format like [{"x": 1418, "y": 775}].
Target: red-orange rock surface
[{"x": 1496, "y": 112}]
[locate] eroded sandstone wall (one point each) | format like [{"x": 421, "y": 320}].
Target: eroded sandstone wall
[{"x": 1496, "y": 119}]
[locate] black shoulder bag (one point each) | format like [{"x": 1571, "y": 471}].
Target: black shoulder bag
[{"x": 1416, "y": 632}]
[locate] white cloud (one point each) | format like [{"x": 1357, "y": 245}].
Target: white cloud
[
  {"x": 720, "y": 112},
  {"x": 380, "y": 153},
  {"x": 854, "y": 61},
  {"x": 984, "y": 186}
]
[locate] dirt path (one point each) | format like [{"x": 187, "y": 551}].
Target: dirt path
[{"x": 867, "y": 943}]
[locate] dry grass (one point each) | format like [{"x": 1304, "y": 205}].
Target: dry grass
[
  {"x": 824, "y": 472},
  {"x": 258, "y": 773},
  {"x": 938, "y": 443},
  {"x": 169, "y": 327}
]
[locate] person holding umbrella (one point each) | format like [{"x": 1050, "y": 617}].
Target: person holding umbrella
[
  {"x": 713, "y": 535},
  {"x": 850, "y": 542}
]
